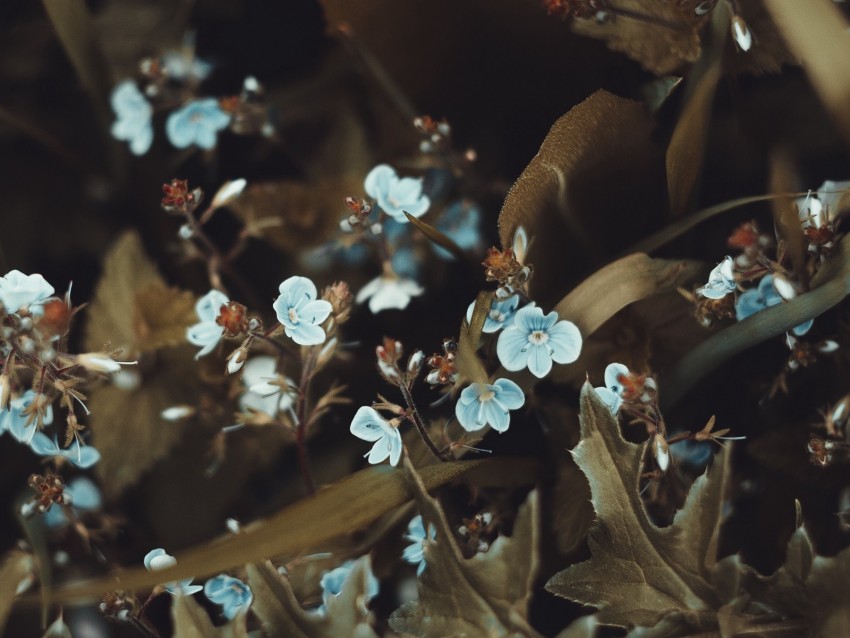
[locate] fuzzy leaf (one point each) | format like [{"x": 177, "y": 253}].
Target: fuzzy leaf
[
  {"x": 133, "y": 309},
  {"x": 191, "y": 621},
  {"x": 638, "y": 572},
  {"x": 281, "y": 614},
  {"x": 486, "y": 595},
  {"x": 16, "y": 569}
]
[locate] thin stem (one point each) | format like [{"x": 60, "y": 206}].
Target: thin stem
[
  {"x": 301, "y": 422},
  {"x": 143, "y": 628},
  {"x": 417, "y": 421}
]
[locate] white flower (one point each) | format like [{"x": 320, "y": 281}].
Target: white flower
[
  {"x": 721, "y": 280},
  {"x": 157, "y": 560},
  {"x": 300, "y": 313},
  {"x": 483, "y": 403},
  {"x": 207, "y": 333},
  {"x": 395, "y": 195},
  {"x": 612, "y": 393},
  {"x": 535, "y": 340},
  {"x": 19, "y": 291},
  {"x": 389, "y": 292},
  {"x": 371, "y": 426},
  {"x": 264, "y": 392}
]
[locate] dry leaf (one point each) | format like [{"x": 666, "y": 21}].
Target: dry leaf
[
  {"x": 279, "y": 611},
  {"x": 191, "y": 621},
  {"x": 667, "y": 39},
  {"x": 486, "y": 595},
  {"x": 161, "y": 316},
  {"x": 18, "y": 567},
  {"x": 638, "y": 573}
]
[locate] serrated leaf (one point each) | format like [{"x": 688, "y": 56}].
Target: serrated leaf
[
  {"x": 638, "y": 573},
  {"x": 339, "y": 509},
  {"x": 662, "y": 36},
  {"x": 281, "y": 614},
  {"x": 192, "y": 621},
  {"x": 17, "y": 568},
  {"x": 133, "y": 309},
  {"x": 486, "y": 595}
]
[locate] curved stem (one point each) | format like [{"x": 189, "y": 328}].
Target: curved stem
[{"x": 417, "y": 421}]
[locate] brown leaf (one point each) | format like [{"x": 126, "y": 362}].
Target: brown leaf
[
  {"x": 126, "y": 425},
  {"x": 638, "y": 573},
  {"x": 486, "y": 595},
  {"x": 191, "y": 621},
  {"x": 294, "y": 215},
  {"x": 816, "y": 32},
  {"x": 664, "y": 40},
  {"x": 17, "y": 568},
  {"x": 281, "y": 614},
  {"x": 785, "y": 215},
  {"x": 469, "y": 366},
  {"x": 161, "y": 316}
]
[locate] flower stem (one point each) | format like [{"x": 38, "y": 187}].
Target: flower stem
[
  {"x": 417, "y": 421},
  {"x": 301, "y": 422}
]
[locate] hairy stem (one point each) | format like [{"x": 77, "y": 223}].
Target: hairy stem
[{"x": 417, "y": 421}]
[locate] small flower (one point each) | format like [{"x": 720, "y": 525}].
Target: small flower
[
  {"x": 228, "y": 192},
  {"x": 134, "y": 115},
  {"x": 82, "y": 495},
  {"x": 333, "y": 582},
  {"x": 231, "y": 593},
  {"x": 501, "y": 313},
  {"x": 612, "y": 393},
  {"x": 389, "y": 292},
  {"x": 182, "y": 65},
  {"x": 198, "y": 122},
  {"x": 16, "y": 422},
  {"x": 156, "y": 560},
  {"x": 371, "y": 426},
  {"x": 535, "y": 340},
  {"x": 415, "y": 552},
  {"x": 395, "y": 195},
  {"x": 721, "y": 280},
  {"x": 78, "y": 455},
  {"x": 300, "y": 313},
  {"x": 24, "y": 292},
  {"x": 483, "y": 403},
  {"x": 764, "y": 296},
  {"x": 461, "y": 223},
  {"x": 207, "y": 332},
  {"x": 265, "y": 388}
]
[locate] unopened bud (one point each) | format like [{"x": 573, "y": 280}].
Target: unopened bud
[
  {"x": 742, "y": 34},
  {"x": 228, "y": 192},
  {"x": 661, "y": 452},
  {"x": 96, "y": 362},
  {"x": 177, "y": 412},
  {"x": 415, "y": 362},
  {"x": 236, "y": 360}
]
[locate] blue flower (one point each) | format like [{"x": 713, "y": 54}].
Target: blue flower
[
  {"x": 300, "y": 313},
  {"x": 156, "y": 560},
  {"x": 183, "y": 65},
  {"x": 264, "y": 391},
  {"x": 501, "y": 313},
  {"x": 396, "y": 195},
  {"x": 693, "y": 453},
  {"x": 482, "y": 403},
  {"x": 83, "y": 496},
  {"x": 78, "y": 455},
  {"x": 721, "y": 280},
  {"x": 415, "y": 552},
  {"x": 198, "y": 122},
  {"x": 14, "y": 421},
  {"x": 207, "y": 333},
  {"x": 761, "y": 297},
  {"x": 134, "y": 115},
  {"x": 231, "y": 593},
  {"x": 535, "y": 340},
  {"x": 460, "y": 222},
  {"x": 28, "y": 292},
  {"x": 612, "y": 393},
  {"x": 332, "y": 583},
  {"x": 371, "y": 426}
]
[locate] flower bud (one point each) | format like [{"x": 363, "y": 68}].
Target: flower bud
[
  {"x": 236, "y": 360},
  {"x": 98, "y": 362},
  {"x": 415, "y": 362},
  {"x": 177, "y": 412},
  {"x": 228, "y": 192},
  {"x": 742, "y": 34},
  {"x": 661, "y": 452}
]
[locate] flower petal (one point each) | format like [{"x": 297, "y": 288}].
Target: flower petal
[
  {"x": 378, "y": 181},
  {"x": 509, "y": 394},
  {"x": 305, "y": 335},
  {"x": 612, "y": 376},
  {"x": 610, "y": 398},
  {"x": 539, "y": 361},
  {"x": 496, "y": 415},
  {"x": 296, "y": 291},
  {"x": 467, "y": 415},
  {"x": 512, "y": 348},
  {"x": 209, "y": 306},
  {"x": 368, "y": 424},
  {"x": 565, "y": 342},
  {"x": 380, "y": 451},
  {"x": 315, "y": 312}
]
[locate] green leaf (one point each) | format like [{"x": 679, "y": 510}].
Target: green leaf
[
  {"x": 638, "y": 573},
  {"x": 486, "y": 595},
  {"x": 281, "y": 614},
  {"x": 339, "y": 509}
]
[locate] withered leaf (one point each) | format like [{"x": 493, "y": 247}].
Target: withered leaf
[
  {"x": 126, "y": 425},
  {"x": 133, "y": 309},
  {"x": 639, "y": 572},
  {"x": 191, "y": 621},
  {"x": 279, "y": 611},
  {"x": 291, "y": 215},
  {"x": 17, "y": 568},
  {"x": 487, "y": 595},
  {"x": 662, "y": 36}
]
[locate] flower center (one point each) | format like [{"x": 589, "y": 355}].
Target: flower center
[
  {"x": 538, "y": 337},
  {"x": 487, "y": 396},
  {"x": 495, "y": 315},
  {"x": 293, "y": 315}
]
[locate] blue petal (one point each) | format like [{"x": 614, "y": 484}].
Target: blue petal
[
  {"x": 305, "y": 335},
  {"x": 539, "y": 360},
  {"x": 610, "y": 398},
  {"x": 748, "y": 304},
  {"x": 180, "y": 132},
  {"x": 496, "y": 415},
  {"x": 513, "y": 346},
  {"x": 509, "y": 394},
  {"x": 315, "y": 312},
  {"x": 565, "y": 342},
  {"x": 378, "y": 181},
  {"x": 467, "y": 415},
  {"x": 803, "y": 328},
  {"x": 296, "y": 291},
  {"x": 209, "y": 306},
  {"x": 527, "y": 319},
  {"x": 368, "y": 424}
]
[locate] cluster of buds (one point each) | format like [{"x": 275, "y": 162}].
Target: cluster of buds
[
  {"x": 804, "y": 353},
  {"x": 753, "y": 245},
  {"x": 177, "y": 199},
  {"x": 119, "y": 605},
  {"x": 443, "y": 367},
  {"x": 233, "y": 317},
  {"x": 389, "y": 355},
  {"x": 339, "y": 296},
  {"x": 502, "y": 266},
  {"x": 49, "y": 491},
  {"x": 707, "y": 310},
  {"x": 821, "y": 451},
  {"x": 248, "y": 111},
  {"x": 476, "y": 531},
  {"x": 436, "y": 135},
  {"x": 359, "y": 216}
]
